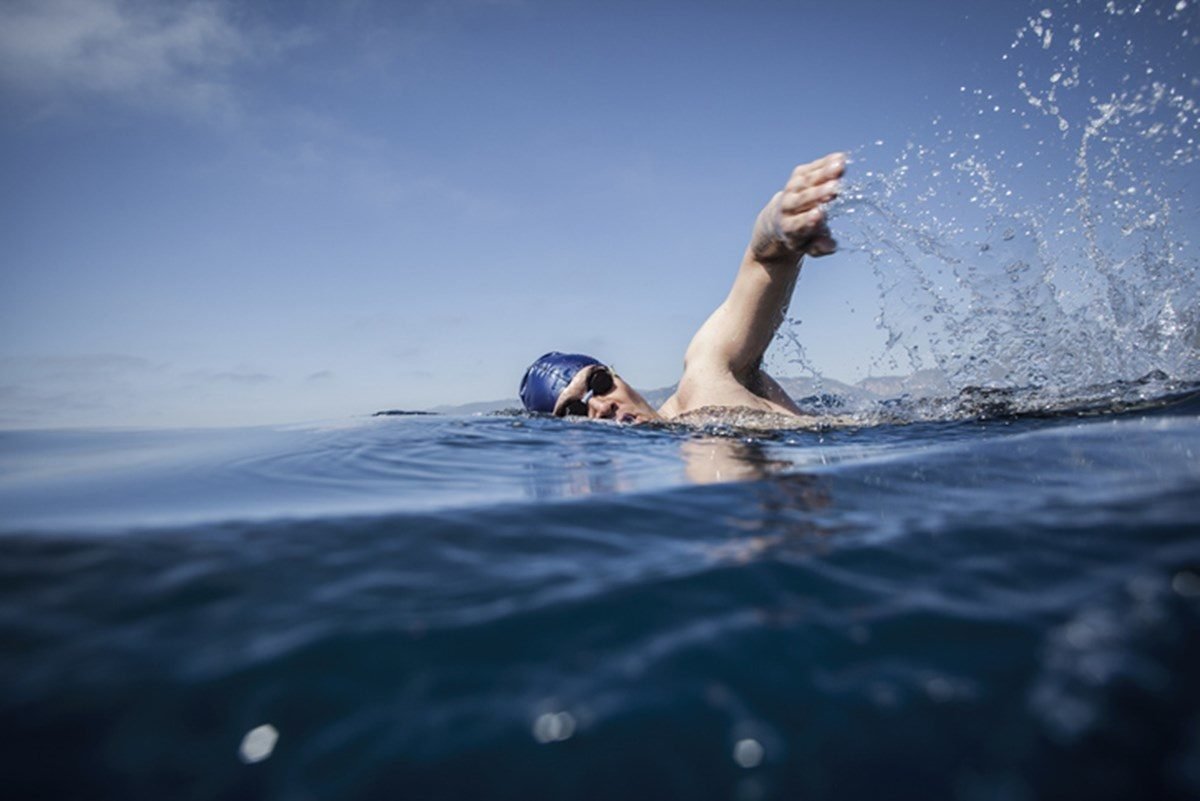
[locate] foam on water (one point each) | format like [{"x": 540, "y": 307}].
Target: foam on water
[{"x": 1042, "y": 235}]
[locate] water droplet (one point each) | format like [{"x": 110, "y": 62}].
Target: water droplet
[
  {"x": 939, "y": 689},
  {"x": 1186, "y": 583},
  {"x": 552, "y": 727},
  {"x": 748, "y": 753},
  {"x": 258, "y": 744}
]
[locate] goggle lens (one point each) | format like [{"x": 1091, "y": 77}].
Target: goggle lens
[{"x": 600, "y": 382}]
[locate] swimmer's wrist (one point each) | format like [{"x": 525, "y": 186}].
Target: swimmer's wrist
[{"x": 770, "y": 245}]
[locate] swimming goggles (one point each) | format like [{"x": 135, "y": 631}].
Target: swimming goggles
[{"x": 599, "y": 383}]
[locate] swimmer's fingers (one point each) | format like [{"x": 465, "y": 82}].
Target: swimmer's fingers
[
  {"x": 793, "y": 222},
  {"x": 797, "y": 229},
  {"x": 829, "y": 168},
  {"x": 813, "y": 183},
  {"x": 802, "y": 209},
  {"x": 800, "y": 200}
]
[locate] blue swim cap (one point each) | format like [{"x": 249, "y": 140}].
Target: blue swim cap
[{"x": 549, "y": 376}]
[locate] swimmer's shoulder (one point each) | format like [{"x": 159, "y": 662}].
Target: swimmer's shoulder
[
  {"x": 671, "y": 407},
  {"x": 703, "y": 386}
]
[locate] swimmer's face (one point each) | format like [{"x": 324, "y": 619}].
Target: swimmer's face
[{"x": 598, "y": 393}]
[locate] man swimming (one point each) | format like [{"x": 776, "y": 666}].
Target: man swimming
[{"x": 723, "y": 363}]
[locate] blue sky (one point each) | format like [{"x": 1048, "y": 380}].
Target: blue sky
[{"x": 220, "y": 213}]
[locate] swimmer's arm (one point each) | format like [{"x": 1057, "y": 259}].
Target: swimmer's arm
[{"x": 792, "y": 224}]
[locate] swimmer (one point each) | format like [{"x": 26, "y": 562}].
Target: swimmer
[{"x": 723, "y": 364}]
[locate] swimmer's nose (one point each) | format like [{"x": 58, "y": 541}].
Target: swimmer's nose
[{"x": 602, "y": 408}]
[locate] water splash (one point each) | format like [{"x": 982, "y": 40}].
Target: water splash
[{"x": 1043, "y": 235}]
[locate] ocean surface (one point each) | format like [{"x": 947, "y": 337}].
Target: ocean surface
[{"x": 995, "y": 605}]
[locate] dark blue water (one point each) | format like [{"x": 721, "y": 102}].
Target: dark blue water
[{"x": 505, "y": 607}]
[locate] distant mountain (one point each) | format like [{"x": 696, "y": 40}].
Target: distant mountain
[
  {"x": 923, "y": 383},
  {"x": 806, "y": 391},
  {"x": 804, "y": 387},
  {"x": 654, "y": 397},
  {"x": 479, "y": 407}
]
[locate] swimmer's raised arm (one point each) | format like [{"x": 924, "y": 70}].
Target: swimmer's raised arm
[
  {"x": 722, "y": 368},
  {"x": 791, "y": 225}
]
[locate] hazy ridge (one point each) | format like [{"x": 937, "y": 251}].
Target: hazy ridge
[{"x": 924, "y": 383}]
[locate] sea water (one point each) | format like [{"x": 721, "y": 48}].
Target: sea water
[
  {"x": 517, "y": 607},
  {"x": 985, "y": 587}
]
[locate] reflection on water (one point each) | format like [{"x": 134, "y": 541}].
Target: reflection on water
[
  {"x": 782, "y": 518},
  {"x": 589, "y": 462},
  {"x": 595, "y": 459},
  {"x": 710, "y": 459}
]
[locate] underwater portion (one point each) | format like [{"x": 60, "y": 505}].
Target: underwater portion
[{"x": 515, "y": 607}]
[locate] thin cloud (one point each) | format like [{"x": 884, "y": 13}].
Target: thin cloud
[
  {"x": 24, "y": 407},
  {"x": 71, "y": 390},
  {"x": 73, "y": 367},
  {"x": 238, "y": 377},
  {"x": 178, "y": 54}
]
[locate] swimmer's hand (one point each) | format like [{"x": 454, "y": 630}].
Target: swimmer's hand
[{"x": 793, "y": 223}]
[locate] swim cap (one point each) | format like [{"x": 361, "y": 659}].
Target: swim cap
[{"x": 549, "y": 376}]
